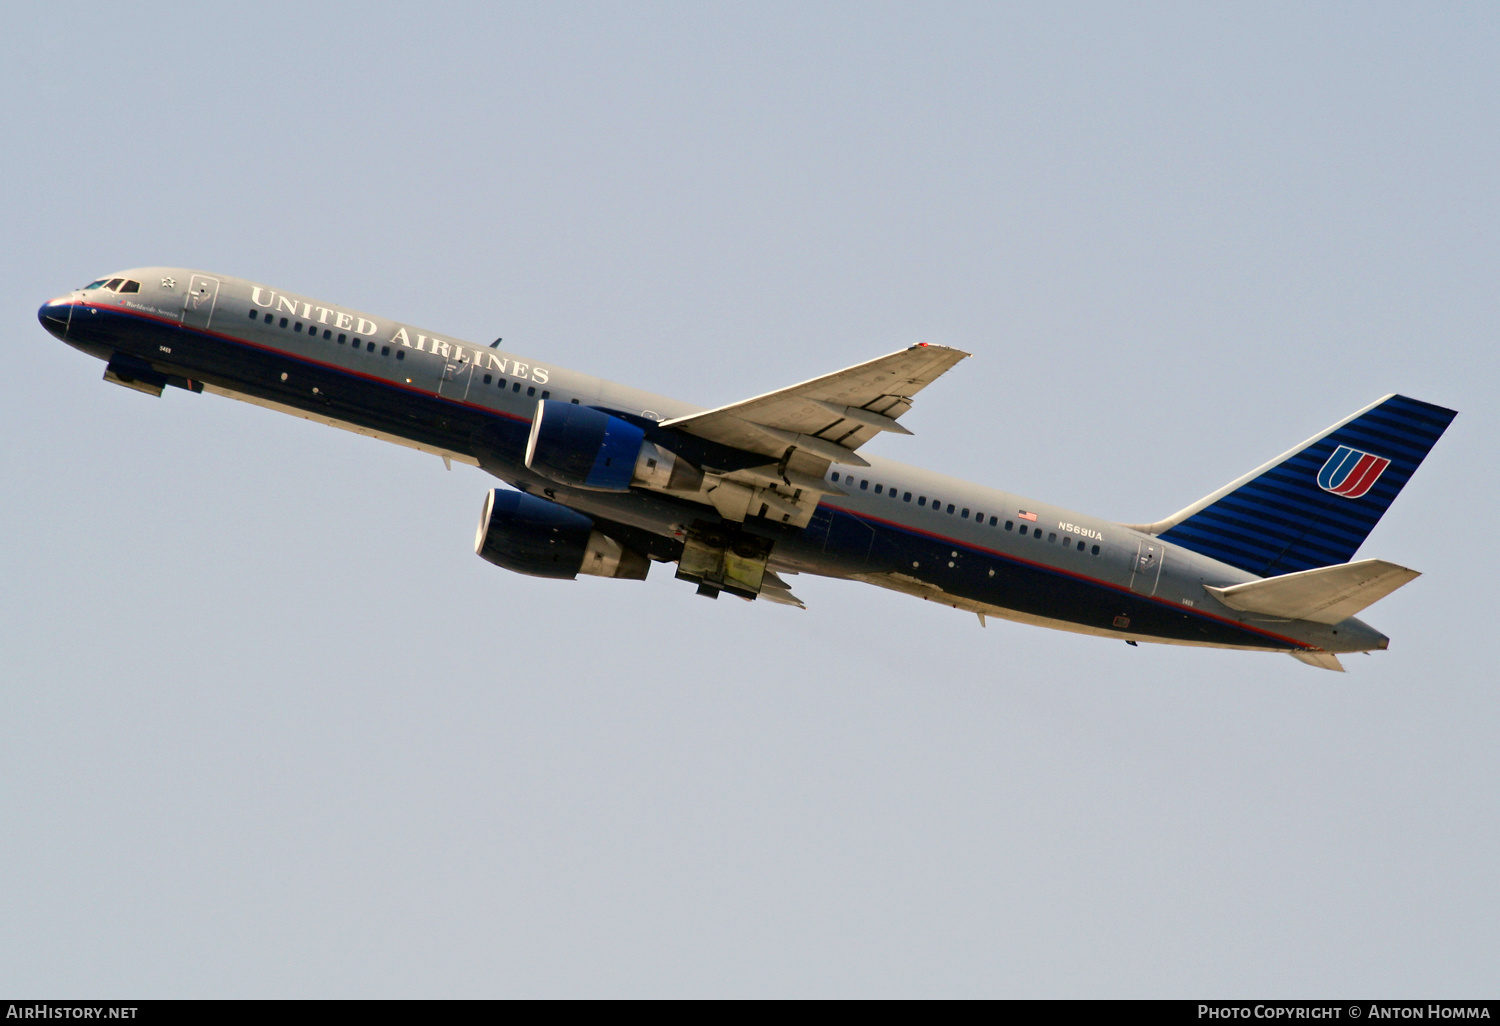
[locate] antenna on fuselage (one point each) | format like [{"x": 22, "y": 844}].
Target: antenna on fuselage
[{"x": 496, "y": 342}]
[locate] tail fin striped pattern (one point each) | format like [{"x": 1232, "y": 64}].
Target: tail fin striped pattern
[{"x": 1315, "y": 505}]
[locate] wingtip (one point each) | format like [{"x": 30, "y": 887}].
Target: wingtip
[{"x": 946, "y": 349}]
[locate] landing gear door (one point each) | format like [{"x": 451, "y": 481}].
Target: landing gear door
[
  {"x": 1145, "y": 572},
  {"x": 198, "y": 303}
]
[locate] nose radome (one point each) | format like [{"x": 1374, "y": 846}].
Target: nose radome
[{"x": 55, "y": 314}]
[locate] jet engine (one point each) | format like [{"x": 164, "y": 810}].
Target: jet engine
[
  {"x": 582, "y": 447},
  {"x": 533, "y": 536}
]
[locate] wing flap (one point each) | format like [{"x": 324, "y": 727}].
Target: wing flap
[{"x": 1329, "y": 594}]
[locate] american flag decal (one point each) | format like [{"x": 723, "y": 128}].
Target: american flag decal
[{"x": 1026, "y": 516}]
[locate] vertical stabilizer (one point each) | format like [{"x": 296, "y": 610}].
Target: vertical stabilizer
[{"x": 1315, "y": 505}]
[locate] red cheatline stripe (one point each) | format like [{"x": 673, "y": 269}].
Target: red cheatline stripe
[
  {"x": 1008, "y": 557},
  {"x": 299, "y": 358},
  {"x": 402, "y": 386}
]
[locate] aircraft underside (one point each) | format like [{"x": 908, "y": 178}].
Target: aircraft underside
[{"x": 715, "y": 555}]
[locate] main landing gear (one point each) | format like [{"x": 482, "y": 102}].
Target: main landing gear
[{"x": 720, "y": 558}]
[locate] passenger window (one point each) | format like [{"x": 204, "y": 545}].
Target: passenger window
[
  {"x": 835, "y": 476},
  {"x": 368, "y": 345},
  {"x": 297, "y": 326},
  {"x": 131, "y": 286},
  {"x": 344, "y": 338},
  {"x": 283, "y": 322},
  {"x": 356, "y": 344},
  {"x": 1023, "y": 530},
  {"x": 1096, "y": 550},
  {"x": 1080, "y": 546},
  {"x": 546, "y": 394},
  {"x": 341, "y": 338},
  {"x": 950, "y": 509},
  {"x": 531, "y": 390},
  {"x": 864, "y": 486},
  {"x": 877, "y": 489},
  {"x": 267, "y": 318},
  {"x": 921, "y": 500},
  {"x": 574, "y": 401},
  {"x": 992, "y": 521},
  {"x": 906, "y": 497},
  {"x": 488, "y": 378},
  {"x": 1009, "y": 524},
  {"x": 385, "y": 350},
  {"x": 964, "y": 514},
  {"x": 516, "y": 387},
  {"x": 400, "y": 354},
  {"x": 1052, "y": 537},
  {"x": 328, "y": 334},
  {"x": 252, "y": 311}
]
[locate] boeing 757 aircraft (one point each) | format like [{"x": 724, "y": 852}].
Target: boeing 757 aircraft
[{"x": 607, "y": 479}]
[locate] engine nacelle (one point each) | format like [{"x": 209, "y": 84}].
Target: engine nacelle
[
  {"x": 582, "y": 447},
  {"x": 533, "y": 536}
]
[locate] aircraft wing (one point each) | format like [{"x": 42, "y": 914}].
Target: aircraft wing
[{"x": 828, "y": 417}]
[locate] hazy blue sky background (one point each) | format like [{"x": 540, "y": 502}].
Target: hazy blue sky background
[{"x": 271, "y": 729}]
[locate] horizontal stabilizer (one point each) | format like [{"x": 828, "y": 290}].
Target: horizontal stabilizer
[
  {"x": 1329, "y": 594},
  {"x": 1322, "y": 660}
]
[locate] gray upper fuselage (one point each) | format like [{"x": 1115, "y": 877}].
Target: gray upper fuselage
[{"x": 509, "y": 385}]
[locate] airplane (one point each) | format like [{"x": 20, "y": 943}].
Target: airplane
[{"x": 606, "y": 480}]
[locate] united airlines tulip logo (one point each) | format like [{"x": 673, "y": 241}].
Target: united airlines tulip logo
[{"x": 1351, "y": 473}]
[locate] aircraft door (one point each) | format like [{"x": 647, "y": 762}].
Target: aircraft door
[
  {"x": 198, "y": 303},
  {"x": 1145, "y": 571},
  {"x": 457, "y": 369}
]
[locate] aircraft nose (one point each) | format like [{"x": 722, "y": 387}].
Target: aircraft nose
[{"x": 55, "y": 315}]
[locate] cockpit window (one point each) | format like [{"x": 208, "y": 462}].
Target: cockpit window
[{"x": 114, "y": 285}]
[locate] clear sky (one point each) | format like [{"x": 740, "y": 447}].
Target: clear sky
[{"x": 270, "y": 728}]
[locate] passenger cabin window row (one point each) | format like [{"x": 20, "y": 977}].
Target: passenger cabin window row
[
  {"x": 357, "y": 343},
  {"x": 963, "y": 513},
  {"x": 515, "y": 386},
  {"x": 312, "y": 332}
]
